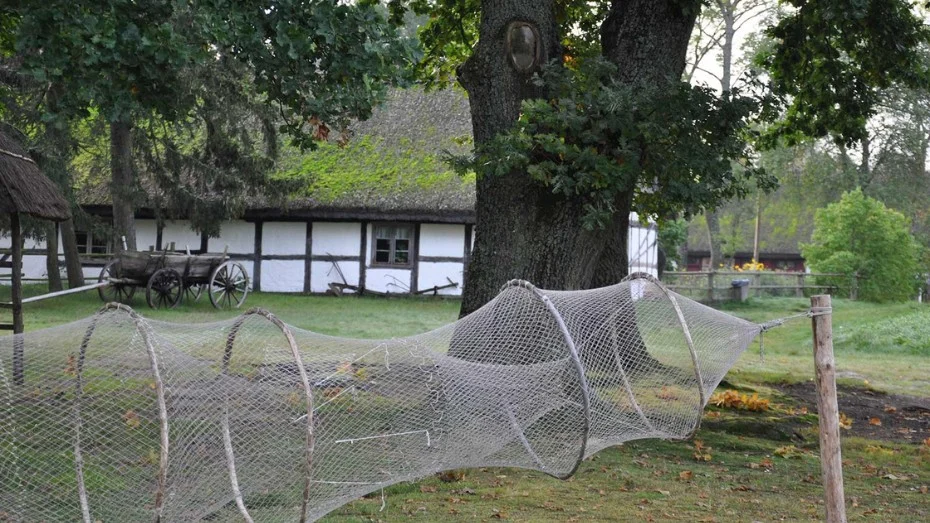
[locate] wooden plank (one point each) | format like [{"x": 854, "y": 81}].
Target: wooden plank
[
  {"x": 362, "y": 254},
  {"x": 16, "y": 300},
  {"x": 308, "y": 258},
  {"x": 831, "y": 461},
  {"x": 415, "y": 271},
  {"x": 257, "y": 269}
]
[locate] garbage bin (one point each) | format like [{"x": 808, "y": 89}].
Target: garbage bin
[{"x": 739, "y": 290}]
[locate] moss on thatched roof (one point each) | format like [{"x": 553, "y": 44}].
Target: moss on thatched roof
[
  {"x": 23, "y": 187},
  {"x": 392, "y": 165}
]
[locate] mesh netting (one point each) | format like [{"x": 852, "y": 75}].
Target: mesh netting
[{"x": 118, "y": 418}]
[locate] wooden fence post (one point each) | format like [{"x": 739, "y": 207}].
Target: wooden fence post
[
  {"x": 831, "y": 462},
  {"x": 710, "y": 286},
  {"x": 799, "y": 292}
]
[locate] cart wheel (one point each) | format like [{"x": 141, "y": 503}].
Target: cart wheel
[
  {"x": 229, "y": 284},
  {"x": 192, "y": 293},
  {"x": 118, "y": 292},
  {"x": 164, "y": 289}
]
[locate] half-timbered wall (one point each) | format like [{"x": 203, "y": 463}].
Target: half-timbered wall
[{"x": 308, "y": 256}]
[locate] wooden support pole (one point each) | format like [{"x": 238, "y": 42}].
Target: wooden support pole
[
  {"x": 17, "y": 298},
  {"x": 831, "y": 462}
]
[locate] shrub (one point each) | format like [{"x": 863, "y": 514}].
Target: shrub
[{"x": 860, "y": 236}]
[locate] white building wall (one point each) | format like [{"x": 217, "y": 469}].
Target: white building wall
[
  {"x": 643, "y": 249},
  {"x": 442, "y": 240},
  {"x": 337, "y": 238},
  {"x": 180, "y": 233},
  {"x": 147, "y": 235},
  {"x": 395, "y": 281},
  {"x": 283, "y": 238},
  {"x": 237, "y": 235},
  {"x": 322, "y": 273},
  {"x": 282, "y": 275},
  {"x": 434, "y": 274}
]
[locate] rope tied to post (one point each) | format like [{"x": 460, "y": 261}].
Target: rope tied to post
[{"x": 812, "y": 312}]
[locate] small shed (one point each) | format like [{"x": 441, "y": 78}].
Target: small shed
[{"x": 24, "y": 190}]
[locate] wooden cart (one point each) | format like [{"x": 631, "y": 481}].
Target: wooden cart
[{"x": 169, "y": 277}]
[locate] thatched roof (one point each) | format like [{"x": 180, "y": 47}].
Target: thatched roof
[
  {"x": 23, "y": 187},
  {"x": 392, "y": 168}
]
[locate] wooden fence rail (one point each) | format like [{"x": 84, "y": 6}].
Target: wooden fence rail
[{"x": 719, "y": 285}]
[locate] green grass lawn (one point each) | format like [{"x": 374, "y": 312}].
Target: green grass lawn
[{"x": 740, "y": 467}]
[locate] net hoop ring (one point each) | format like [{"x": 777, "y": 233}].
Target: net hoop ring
[
  {"x": 305, "y": 382},
  {"x": 579, "y": 367},
  {"x": 686, "y": 331},
  {"x": 142, "y": 327}
]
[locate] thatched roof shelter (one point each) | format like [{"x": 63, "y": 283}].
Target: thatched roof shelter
[
  {"x": 23, "y": 187},
  {"x": 23, "y": 190}
]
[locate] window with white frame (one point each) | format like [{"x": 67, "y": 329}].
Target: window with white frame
[
  {"x": 392, "y": 244},
  {"x": 90, "y": 243}
]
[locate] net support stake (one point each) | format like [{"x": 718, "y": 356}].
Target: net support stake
[
  {"x": 576, "y": 359},
  {"x": 831, "y": 461},
  {"x": 688, "y": 339},
  {"x": 143, "y": 330}
]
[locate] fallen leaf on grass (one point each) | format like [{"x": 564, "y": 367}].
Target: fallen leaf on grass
[
  {"x": 845, "y": 421},
  {"x": 685, "y": 475},
  {"x": 875, "y": 421},
  {"x": 427, "y": 488},
  {"x": 890, "y": 410}
]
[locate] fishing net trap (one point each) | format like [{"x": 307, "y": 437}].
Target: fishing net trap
[{"x": 120, "y": 418}]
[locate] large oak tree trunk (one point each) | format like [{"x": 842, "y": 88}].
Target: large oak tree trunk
[
  {"x": 122, "y": 183},
  {"x": 523, "y": 230}
]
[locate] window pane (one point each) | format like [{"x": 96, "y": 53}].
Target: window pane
[
  {"x": 383, "y": 245},
  {"x": 81, "y": 241},
  {"x": 402, "y": 245},
  {"x": 99, "y": 245},
  {"x": 401, "y": 256},
  {"x": 383, "y": 231},
  {"x": 383, "y": 256},
  {"x": 402, "y": 233}
]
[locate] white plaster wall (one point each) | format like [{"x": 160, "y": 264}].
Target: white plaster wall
[
  {"x": 336, "y": 238},
  {"x": 395, "y": 281},
  {"x": 6, "y": 242},
  {"x": 323, "y": 273},
  {"x": 250, "y": 268},
  {"x": 282, "y": 276},
  {"x": 434, "y": 274},
  {"x": 180, "y": 233},
  {"x": 283, "y": 238},
  {"x": 91, "y": 274},
  {"x": 442, "y": 240},
  {"x": 642, "y": 250},
  {"x": 33, "y": 267},
  {"x": 147, "y": 234},
  {"x": 238, "y": 235}
]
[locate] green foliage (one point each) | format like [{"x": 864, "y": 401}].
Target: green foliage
[
  {"x": 596, "y": 139},
  {"x": 832, "y": 58},
  {"x": 366, "y": 164},
  {"x": 120, "y": 55},
  {"x": 451, "y": 30},
  {"x": 673, "y": 234},
  {"x": 860, "y": 236},
  {"x": 901, "y": 334},
  {"x": 320, "y": 62}
]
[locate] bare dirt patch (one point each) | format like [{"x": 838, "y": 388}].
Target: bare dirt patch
[{"x": 874, "y": 414}]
